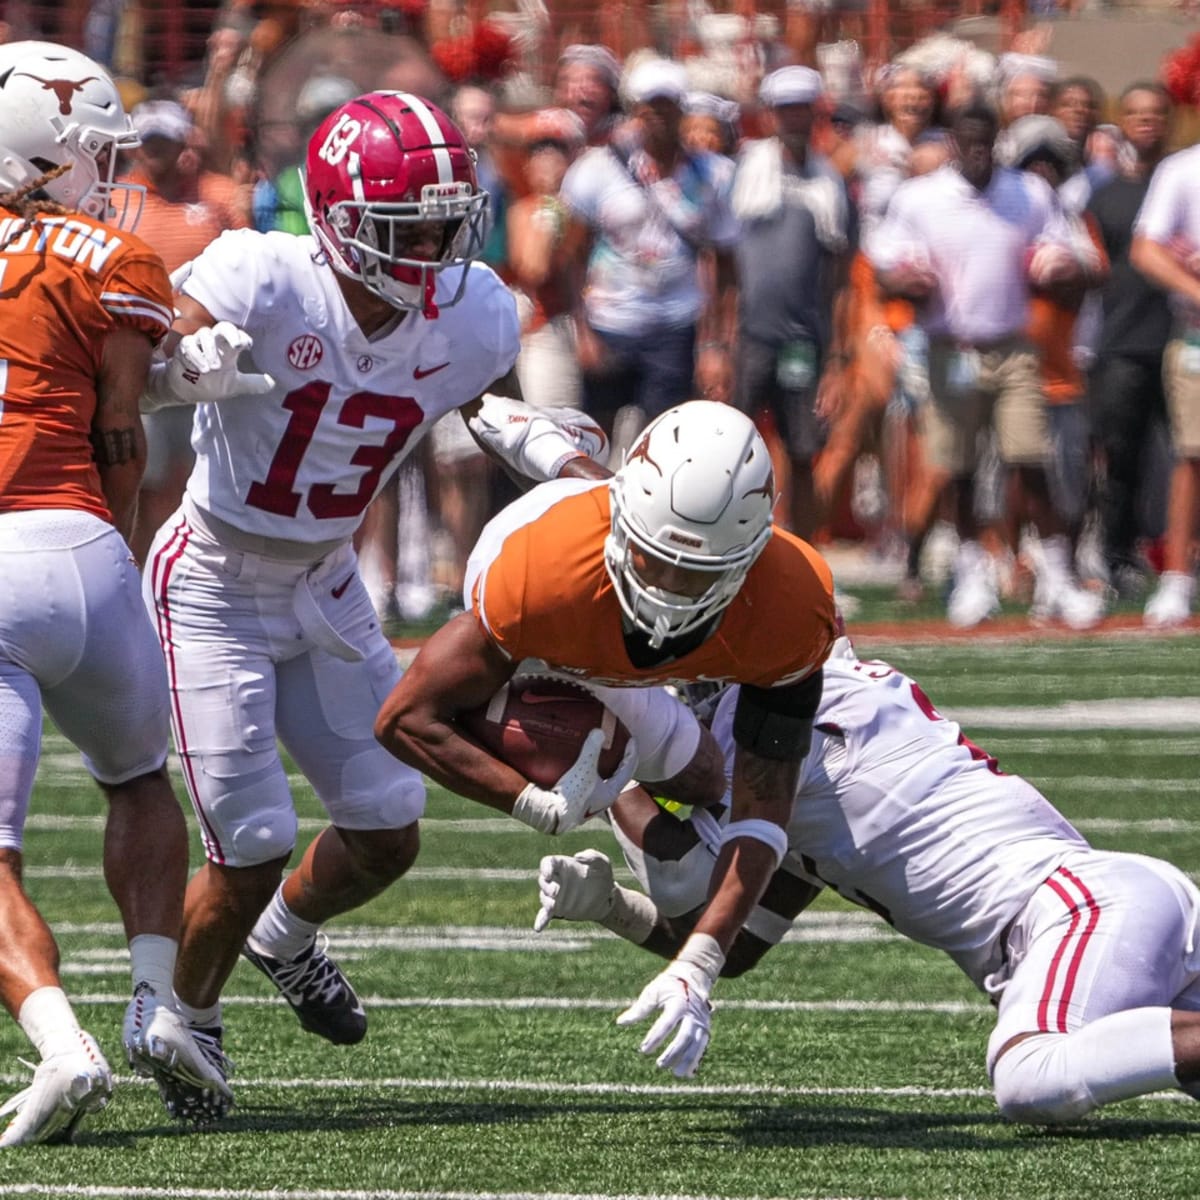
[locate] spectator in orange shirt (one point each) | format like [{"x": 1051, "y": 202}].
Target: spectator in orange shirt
[{"x": 185, "y": 208}]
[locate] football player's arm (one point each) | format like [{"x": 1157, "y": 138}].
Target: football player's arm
[
  {"x": 199, "y": 362},
  {"x": 581, "y": 887},
  {"x": 772, "y": 730},
  {"x": 457, "y": 669},
  {"x": 118, "y": 440},
  {"x": 528, "y": 444},
  {"x": 460, "y": 668}
]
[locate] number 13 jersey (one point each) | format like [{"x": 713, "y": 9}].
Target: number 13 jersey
[{"x": 303, "y": 461}]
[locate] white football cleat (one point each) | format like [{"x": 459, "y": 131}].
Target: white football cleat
[
  {"x": 159, "y": 1043},
  {"x": 1075, "y": 606},
  {"x": 974, "y": 597},
  {"x": 1171, "y": 603},
  {"x": 66, "y": 1087}
]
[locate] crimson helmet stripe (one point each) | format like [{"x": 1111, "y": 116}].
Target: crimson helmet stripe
[{"x": 437, "y": 138}]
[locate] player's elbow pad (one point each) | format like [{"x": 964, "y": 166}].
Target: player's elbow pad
[{"x": 523, "y": 439}]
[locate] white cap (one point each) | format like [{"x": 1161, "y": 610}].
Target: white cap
[
  {"x": 656, "y": 77},
  {"x": 1027, "y": 137},
  {"x": 162, "y": 118},
  {"x": 791, "y": 85},
  {"x": 706, "y": 104},
  {"x": 321, "y": 94}
]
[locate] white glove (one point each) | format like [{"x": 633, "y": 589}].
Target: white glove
[
  {"x": 581, "y": 793},
  {"x": 681, "y": 993},
  {"x": 204, "y": 368},
  {"x": 575, "y": 889},
  {"x": 583, "y": 430}
]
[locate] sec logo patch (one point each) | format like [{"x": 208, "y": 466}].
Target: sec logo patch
[{"x": 305, "y": 352}]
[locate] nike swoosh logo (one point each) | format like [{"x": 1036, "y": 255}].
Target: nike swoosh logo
[
  {"x": 420, "y": 373},
  {"x": 340, "y": 590}
]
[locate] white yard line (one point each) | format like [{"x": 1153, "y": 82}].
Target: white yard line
[
  {"x": 621, "y": 1088},
  {"x": 1164, "y": 714},
  {"x": 945, "y": 1008},
  {"x": 102, "y": 1192}
]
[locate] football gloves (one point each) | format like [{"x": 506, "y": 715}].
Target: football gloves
[
  {"x": 575, "y": 889},
  {"x": 679, "y": 995},
  {"x": 204, "y": 368},
  {"x": 581, "y": 793}
]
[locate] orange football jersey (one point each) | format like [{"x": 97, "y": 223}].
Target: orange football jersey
[
  {"x": 65, "y": 283},
  {"x": 546, "y": 594}
]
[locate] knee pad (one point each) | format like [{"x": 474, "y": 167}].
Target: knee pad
[
  {"x": 1038, "y": 1081},
  {"x": 252, "y": 824}
]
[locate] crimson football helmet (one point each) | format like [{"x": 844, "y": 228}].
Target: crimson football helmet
[
  {"x": 59, "y": 108},
  {"x": 696, "y": 491},
  {"x": 391, "y": 195}
]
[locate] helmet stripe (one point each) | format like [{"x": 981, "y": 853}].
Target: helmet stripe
[{"x": 437, "y": 138}]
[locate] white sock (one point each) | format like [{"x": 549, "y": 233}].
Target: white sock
[
  {"x": 152, "y": 961},
  {"x": 200, "y": 1018},
  {"x": 1054, "y": 1078},
  {"x": 1056, "y": 559},
  {"x": 279, "y": 932},
  {"x": 49, "y": 1021},
  {"x": 1127, "y": 1054},
  {"x": 1178, "y": 581}
]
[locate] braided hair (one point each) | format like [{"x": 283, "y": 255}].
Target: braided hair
[{"x": 28, "y": 205}]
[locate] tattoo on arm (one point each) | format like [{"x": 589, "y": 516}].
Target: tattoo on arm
[{"x": 114, "y": 447}]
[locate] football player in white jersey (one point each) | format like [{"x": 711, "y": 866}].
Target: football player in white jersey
[
  {"x": 362, "y": 336},
  {"x": 1092, "y": 958}
]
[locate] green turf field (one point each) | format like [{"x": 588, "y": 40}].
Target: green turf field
[{"x": 849, "y": 1065}]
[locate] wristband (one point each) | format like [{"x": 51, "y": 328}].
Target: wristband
[
  {"x": 536, "y": 808},
  {"x": 701, "y": 950},
  {"x": 766, "y": 832},
  {"x": 632, "y": 916},
  {"x": 157, "y": 393}
]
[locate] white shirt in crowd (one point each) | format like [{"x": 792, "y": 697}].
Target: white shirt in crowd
[
  {"x": 1170, "y": 212},
  {"x": 976, "y": 244}
]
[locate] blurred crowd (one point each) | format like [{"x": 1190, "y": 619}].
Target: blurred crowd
[{"x": 766, "y": 223}]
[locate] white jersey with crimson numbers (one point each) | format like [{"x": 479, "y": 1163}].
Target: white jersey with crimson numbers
[
  {"x": 899, "y": 812},
  {"x": 303, "y": 461}
]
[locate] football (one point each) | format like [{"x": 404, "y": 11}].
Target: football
[{"x": 538, "y": 724}]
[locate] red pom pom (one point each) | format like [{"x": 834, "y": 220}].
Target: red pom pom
[
  {"x": 494, "y": 51},
  {"x": 1180, "y": 72},
  {"x": 455, "y": 58}
]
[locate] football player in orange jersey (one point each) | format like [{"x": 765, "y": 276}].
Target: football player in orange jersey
[
  {"x": 82, "y": 305},
  {"x": 670, "y": 573}
]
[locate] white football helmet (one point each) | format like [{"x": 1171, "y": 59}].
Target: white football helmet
[
  {"x": 696, "y": 491},
  {"x": 58, "y": 106}
]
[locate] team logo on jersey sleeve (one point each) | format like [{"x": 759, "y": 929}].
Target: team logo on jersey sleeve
[{"x": 305, "y": 352}]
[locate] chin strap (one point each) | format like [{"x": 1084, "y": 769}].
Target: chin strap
[{"x": 430, "y": 309}]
